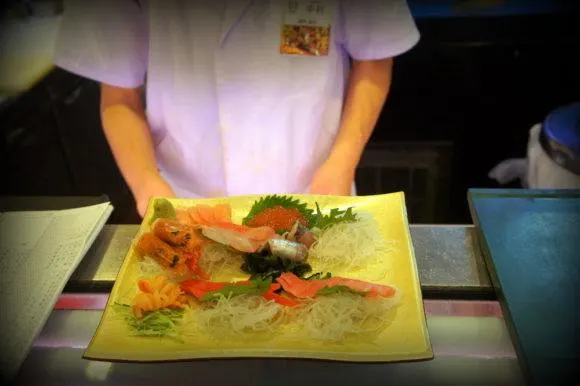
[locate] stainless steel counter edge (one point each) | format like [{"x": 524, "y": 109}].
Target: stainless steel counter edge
[
  {"x": 469, "y": 339},
  {"x": 448, "y": 256}
]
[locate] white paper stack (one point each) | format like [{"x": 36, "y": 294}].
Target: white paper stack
[{"x": 39, "y": 251}]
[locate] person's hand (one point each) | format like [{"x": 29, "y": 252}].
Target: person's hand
[
  {"x": 333, "y": 178},
  {"x": 153, "y": 186}
]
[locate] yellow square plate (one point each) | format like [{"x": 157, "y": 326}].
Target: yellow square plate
[{"x": 405, "y": 339}]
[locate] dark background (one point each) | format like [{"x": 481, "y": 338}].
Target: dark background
[{"x": 461, "y": 101}]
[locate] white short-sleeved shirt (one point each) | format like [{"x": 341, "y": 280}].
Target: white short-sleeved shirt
[{"x": 229, "y": 114}]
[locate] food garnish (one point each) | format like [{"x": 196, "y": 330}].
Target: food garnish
[
  {"x": 162, "y": 208},
  {"x": 336, "y": 216},
  {"x": 159, "y": 323}
]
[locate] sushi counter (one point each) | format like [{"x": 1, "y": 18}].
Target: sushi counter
[
  {"x": 470, "y": 340},
  {"x": 484, "y": 288}
]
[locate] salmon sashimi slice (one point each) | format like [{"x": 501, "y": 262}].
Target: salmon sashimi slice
[
  {"x": 309, "y": 288},
  {"x": 222, "y": 213},
  {"x": 202, "y": 214}
]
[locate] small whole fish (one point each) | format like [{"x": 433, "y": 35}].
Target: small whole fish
[
  {"x": 301, "y": 234},
  {"x": 288, "y": 249}
]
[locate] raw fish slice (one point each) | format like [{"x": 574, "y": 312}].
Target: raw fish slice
[
  {"x": 222, "y": 213},
  {"x": 202, "y": 214},
  {"x": 363, "y": 286},
  {"x": 261, "y": 234},
  {"x": 309, "y": 288},
  {"x": 300, "y": 288},
  {"x": 216, "y": 224},
  {"x": 183, "y": 216},
  {"x": 242, "y": 241},
  {"x": 210, "y": 215}
]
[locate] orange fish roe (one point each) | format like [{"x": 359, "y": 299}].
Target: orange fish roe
[{"x": 278, "y": 217}]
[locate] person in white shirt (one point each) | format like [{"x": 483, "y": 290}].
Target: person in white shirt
[{"x": 242, "y": 96}]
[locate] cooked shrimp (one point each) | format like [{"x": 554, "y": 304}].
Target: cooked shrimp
[
  {"x": 177, "y": 234},
  {"x": 167, "y": 256}
]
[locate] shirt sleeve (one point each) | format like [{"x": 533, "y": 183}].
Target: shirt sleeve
[
  {"x": 105, "y": 41},
  {"x": 376, "y": 29}
]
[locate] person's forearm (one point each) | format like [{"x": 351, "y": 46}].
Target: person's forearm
[
  {"x": 127, "y": 132},
  {"x": 367, "y": 90}
]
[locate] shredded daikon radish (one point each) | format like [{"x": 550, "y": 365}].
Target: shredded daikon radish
[
  {"x": 334, "y": 317},
  {"x": 220, "y": 261},
  {"x": 148, "y": 267},
  {"x": 349, "y": 246},
  {"x": 235, "y": 316}
]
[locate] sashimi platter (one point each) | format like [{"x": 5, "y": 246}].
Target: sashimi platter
[{"x": 292, "y": 276}]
